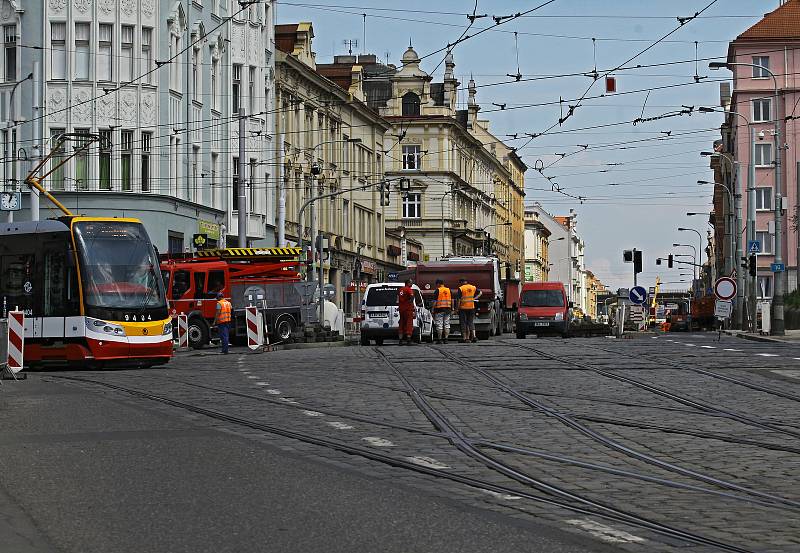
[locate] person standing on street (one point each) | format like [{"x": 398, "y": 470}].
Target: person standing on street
[
  {"x": 222, "y": 320},
  {"x": 467, "y": 294},
  {"x": 405, "y": 299},
  {"x": 442, "y": 308}
]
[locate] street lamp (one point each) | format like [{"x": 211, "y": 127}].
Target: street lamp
[
  {"x": 483, "y": 230},
  {"x": 778, "y": 326},
  {"x": 694, "y": 256},
  {"x": 699, "y": 251}
]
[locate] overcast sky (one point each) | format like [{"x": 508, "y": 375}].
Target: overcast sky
[{"x": 638, "y": 181}]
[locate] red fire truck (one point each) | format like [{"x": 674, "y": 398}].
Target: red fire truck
[{"x": 263, "y": 277}]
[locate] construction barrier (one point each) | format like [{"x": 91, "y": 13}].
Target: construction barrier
[
  {"x": 15, "y": 340},
  {"x": 183, "y": 332},
  {"x": 255, "y": 328}
]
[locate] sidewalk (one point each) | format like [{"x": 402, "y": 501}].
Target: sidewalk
[{"x": 791, "y": 337}]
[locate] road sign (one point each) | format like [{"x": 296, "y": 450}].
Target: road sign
[
  {"x": 183, "y": 332},
  {"x": 200, "y": 240},
  {"x": 777, "y": 267},
  {"x": 16, "y": 340},
  {"x": 754, "y": 246},
  {"x": 723, "y": 309},
  {"x": 725, "y": 288},
  {"x": 637, "y": 313},
  {"x": 255, "y": 333},
  {"x": 638, "y": 295}
]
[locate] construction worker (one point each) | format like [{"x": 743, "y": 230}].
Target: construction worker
[
  {"x": 222, "y": 320},
  {"x": 405, "y": 299},
  {"x": 467, "y": 294},
  {"x": 442, "y": 308}
]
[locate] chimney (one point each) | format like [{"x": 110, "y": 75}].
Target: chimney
[
  {"x": 367, "y": 59},
  {"x": 344, "y": 59},
  {"x": 472, "y": 105}
]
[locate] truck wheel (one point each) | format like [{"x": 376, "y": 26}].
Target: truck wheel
[
  {"x": 365, "y": 340},
  {"x": 198, "y": 332},
  {"x": 284, "y": 327}
]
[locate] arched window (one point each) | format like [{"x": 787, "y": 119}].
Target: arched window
[{"x": 410, "y": 104}]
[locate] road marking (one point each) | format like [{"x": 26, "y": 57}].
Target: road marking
[
  {"x": 274, "y": 392},
  {"x": 791, "y": 373},
  {"x": 690, "y": 345},
  {"x": 427, "y": 462},
  {"x": 605, "y": 533},
  {"x": 767, "y": 354},
  {"x": 731, "y": 349},
  {"x": 251, "y": 376},
  {"x": 377, "y": 442},
  {"x": 262, "y": 383},
  {"x": 286, "y": 399},
  {"x": 340, "y": 425},
  {"x": 313, "y": 413},
  {"x": 708, "y": 347},
  {"x": 499, "y": 495}
]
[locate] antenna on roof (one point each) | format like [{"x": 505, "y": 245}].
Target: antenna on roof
[
  {"x": 350, "y": 43},
  {"x": 387, "y": 54}
]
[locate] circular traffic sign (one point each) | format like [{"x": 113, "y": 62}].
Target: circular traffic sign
[
  {"x": 638, "y": 295},
  {"x": 725, "y": 288}
]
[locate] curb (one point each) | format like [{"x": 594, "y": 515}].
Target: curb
[
  {"x": 757, "y": 337},
  {"x": 313, "y": 345}
]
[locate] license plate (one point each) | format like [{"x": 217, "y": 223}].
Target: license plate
[
  {"x": 378, "y": 314},
  {"x": 541, "y": 323}
]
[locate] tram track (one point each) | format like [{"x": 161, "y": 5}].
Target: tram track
[{"x": 563, "y": 499}]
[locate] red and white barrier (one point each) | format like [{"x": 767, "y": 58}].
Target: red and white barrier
[
  {"x": 255, "y": 328},
  {"x": 183, "y": 332},
  {"x": 16, "y": 340}
]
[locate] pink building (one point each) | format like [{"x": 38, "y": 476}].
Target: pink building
[{"x": 772, "y": 44}]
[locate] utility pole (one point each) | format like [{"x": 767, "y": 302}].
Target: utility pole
[
  {"x": 751, "y": 224},
  {"x": 37, "y": 135},
  {"x": 737, "y": 200},
  {"x": 797, "y": 226},
  {"x": 242, "y": 192},
  {"x": 777, "y": 327}
]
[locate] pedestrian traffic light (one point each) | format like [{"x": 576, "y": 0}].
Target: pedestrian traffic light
[
  {"x": 637, "y": 261},
  {"x": 670, "y": 261},
  {"x": 752, "y": 265}
]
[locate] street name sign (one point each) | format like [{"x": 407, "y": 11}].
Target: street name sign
[
  {"x": 723, "y": 309},
  {"x": 725, "y": 288},
  {"x": 754, "y": 246},
  {"x": 638, "y": 295},
  {"x": 777, "y": 267}
]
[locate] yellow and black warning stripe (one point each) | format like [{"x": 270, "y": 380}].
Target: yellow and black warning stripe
[{"x": 245, "y": 253}]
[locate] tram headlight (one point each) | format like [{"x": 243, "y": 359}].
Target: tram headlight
[
  {"x": 97, "y": 325},
  {"x": 167, "y": 328}
]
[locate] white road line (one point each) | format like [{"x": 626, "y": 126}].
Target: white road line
[
  {"x": 340, "y": 425},
  {"x": 427, "y": 462},
  {"x": 499, "y": 495},
  {"x": 262, "y": 383},
  {"x": 731, "y": 349},
  {"x": 791, "y": 373},
  {"x": 313, "y": 413},
  {"x": 768, "y": 354},
  {"x": 377, "y": 442},
  {"x": 285, "y": 399},
  {"x": 708, "y": 347},
  {"x": 274, "y": 392},
  {"x": 690, "y": 345},
  {"x": 605, "y": 533},
  {"x": 253, "y": 377}
]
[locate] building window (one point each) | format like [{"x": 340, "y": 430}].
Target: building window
[
  {"x": 57, "y": 178},
  {"x": 761, "y": 110},
  {"x": 235, "y": 184},
  {"x": 195, "y": 75},
  {"x": 412, "y": 206},
  {"x": 764, "y": 289},
  {"x": 766, "y": 241},
  {"x": 763, "y": 198},
  {"x": 82, "y": 161},
  {"x": 345, "y": 153},
  {"x": 237, "y": 87},
  {"x": 252, "y": 185},
  {"x": 251, "y": 89},
  {"x": 214, "y": 80},
  {"x": 147, "y": 139},
  {"x": 82, "y": 36},
  {"x": 411, "y": 157},
  {"x": 58, "y": 55},
  {"x": 410, "y": 104},
  {"x": 762, "y": 63},
  {"x": 214, "y": 172},
  {"x": 175, "y": 66},
  {"x": 126, "y": 54},
  {"x": 175, "y": 242},
  {"x": 105, "y": 59},
  {"x": 147, "y": 55},
  {"x": 10, "y": 36},
  {"x": 106, "y": 147},
  {"x": 346, "y": 218},
  {"x": 195, "y": 172},
  {"x": 126, "y": 147},
  {"x": 763, "y": 155}
]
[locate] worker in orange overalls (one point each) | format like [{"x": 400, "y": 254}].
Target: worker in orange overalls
[
  {"x": 405, "y": 302},
  {"x": 442, "y": 307},
  {"x": 222, "y": 320},
  {"x": 467, "y": 294}
]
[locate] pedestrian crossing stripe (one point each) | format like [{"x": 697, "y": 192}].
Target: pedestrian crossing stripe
[{"x": 250, "y": 252}]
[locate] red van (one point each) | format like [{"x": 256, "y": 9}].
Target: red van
[{"x": 543, "y": 309}]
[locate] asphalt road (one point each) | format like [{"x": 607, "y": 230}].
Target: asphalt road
[{"x": 669, "y": 444}]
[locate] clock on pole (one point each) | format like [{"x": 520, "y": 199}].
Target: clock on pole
[{"x": 10, "y": 201}]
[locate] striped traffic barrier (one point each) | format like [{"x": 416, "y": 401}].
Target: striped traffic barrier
[
  {"x": 254, "y": 328},
  {"x": 16, "y": 340},
  {"x": 183, "y": 332}
]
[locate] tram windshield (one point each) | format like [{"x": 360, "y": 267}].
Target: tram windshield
[{"x": 119, "y": 268}]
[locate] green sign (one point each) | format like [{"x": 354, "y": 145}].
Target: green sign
[{"x": 211, "y": 230}]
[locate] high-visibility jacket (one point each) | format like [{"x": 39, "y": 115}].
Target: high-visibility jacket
[
  {"x": 467, "y": 296},
  {"x": 444, "y": 300},
  {"x": 223, "y": 311}
]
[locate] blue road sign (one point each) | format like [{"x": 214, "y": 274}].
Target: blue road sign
[
  {"x": 638, "y": 295},
  {"x": 392, "y": 277},
  {"x": 777, "y": 267},
  {"x": 753, "y": 246}
]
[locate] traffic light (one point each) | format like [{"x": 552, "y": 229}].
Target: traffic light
[
  {"x": 385, "y": 192},
  {"x": 658, "y": 261},
  {"x": 627, "y": 256},
  {"x": 670, "y": 261},
  {"x": 637, "y": 261},
  {"x": 751, "y": 265}
]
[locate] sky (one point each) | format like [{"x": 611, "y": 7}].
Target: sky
[{"x": 631, "y": 185}]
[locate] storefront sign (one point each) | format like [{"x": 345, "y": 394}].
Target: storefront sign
[
  {"x": 211, "y": 230},
  {"x": 368, "y": 267}
]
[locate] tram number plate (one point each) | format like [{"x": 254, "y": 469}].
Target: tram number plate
[
  {"x": 541, "y": 323},
  {"x": 139, "y": 318},
  {"x": 379, "y": 314}
]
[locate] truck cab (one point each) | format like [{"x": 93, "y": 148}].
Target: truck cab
[{"x": 543, "y": 309}]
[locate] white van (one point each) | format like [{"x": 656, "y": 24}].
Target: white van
[{"x": 381, "y": 314}]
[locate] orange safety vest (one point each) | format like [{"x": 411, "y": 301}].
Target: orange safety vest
[
  {"x": 224, "y": 315},
  {"x": 467, "y": 296},
  {"x": 444, "y": 300}
]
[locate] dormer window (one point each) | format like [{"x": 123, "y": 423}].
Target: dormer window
[{"x": 410, "y": 104}]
